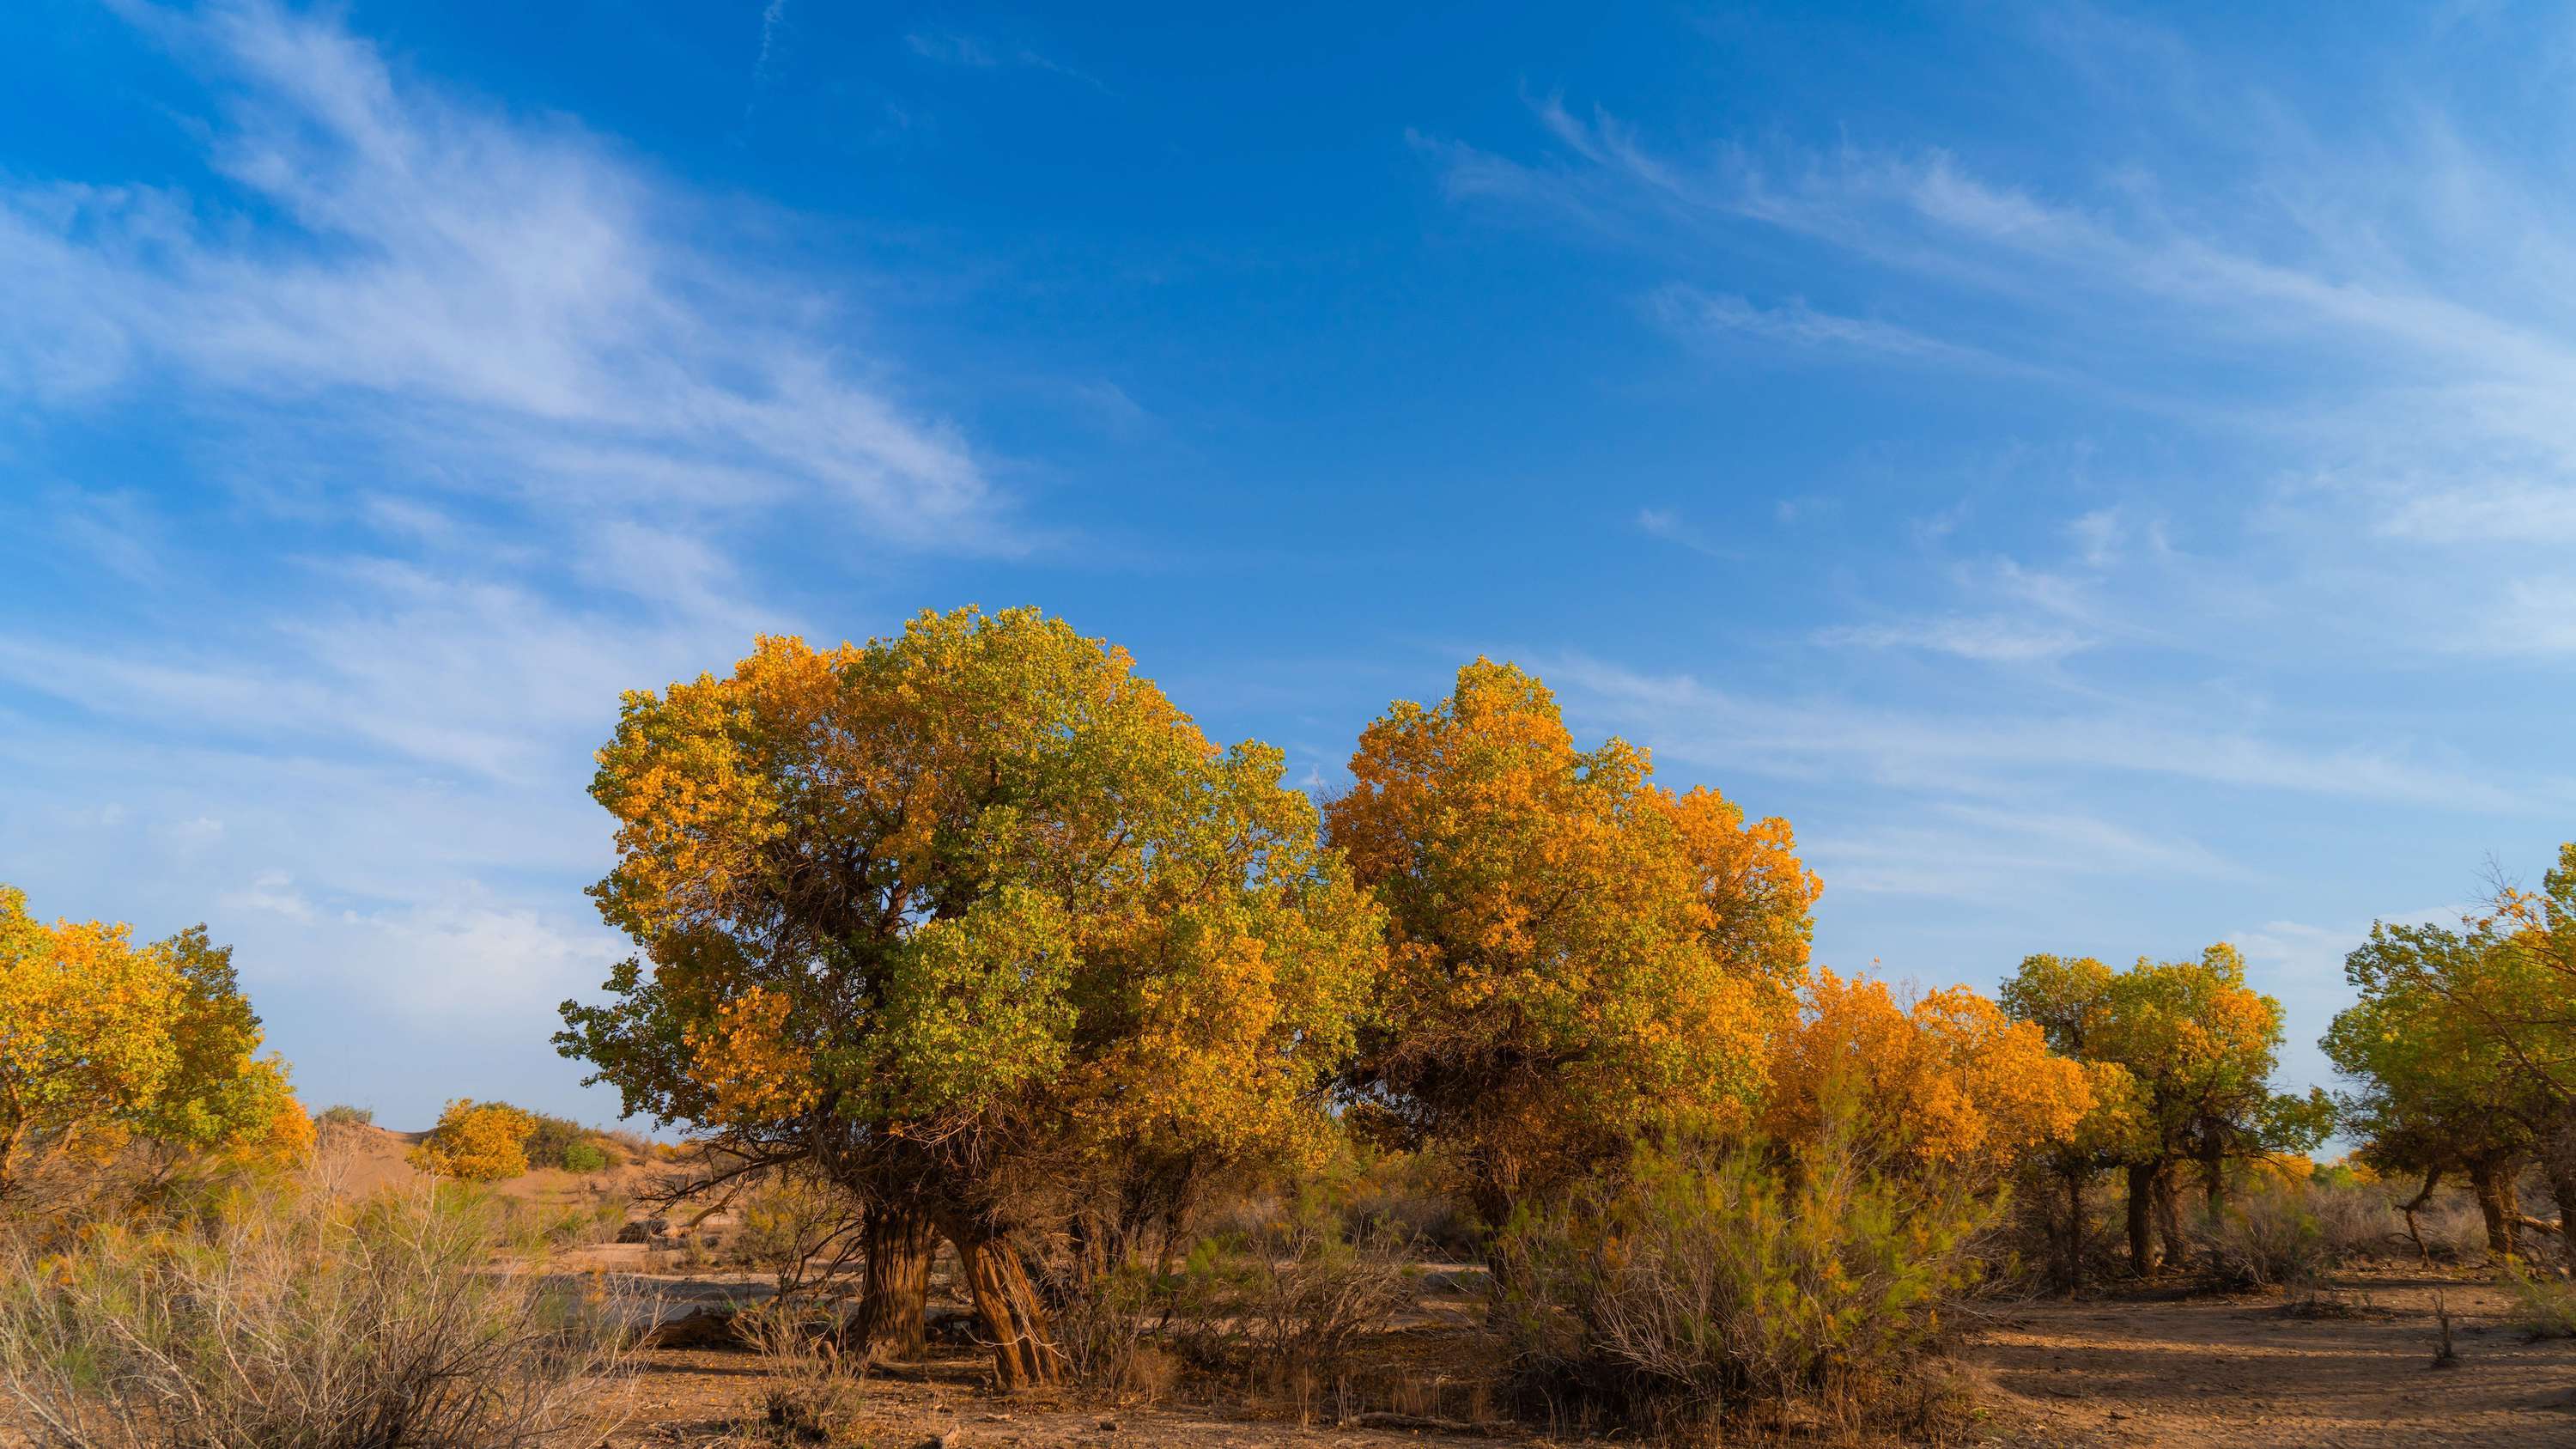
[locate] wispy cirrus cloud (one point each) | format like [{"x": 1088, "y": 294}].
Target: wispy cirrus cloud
[
  {"x": 471, "y": 421},
  {"x": 1990, "y": 640},
  {"x": 980, "y": 52},
  {"x": 1692, "y": 313},
  {"x": 1975, "y": 756},
  {"x": 1672, "y": 527},
  {"x": 489, "y": 302}
]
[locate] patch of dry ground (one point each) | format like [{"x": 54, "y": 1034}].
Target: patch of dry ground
[
  {"x": 2167, "y": 1370},
  {"x": 2242, "y": 1372}
]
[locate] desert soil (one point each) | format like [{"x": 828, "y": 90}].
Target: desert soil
[
  {"x": 2238, "y": 1372},
  {"x": 2249, "y": 1373}
]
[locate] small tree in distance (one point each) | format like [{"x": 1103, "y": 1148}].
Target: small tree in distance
[
  {"x": 2198, "y": 1047},
  {"x": 477, "y": 1142},
  {"x": 2437, "y": 1092}
]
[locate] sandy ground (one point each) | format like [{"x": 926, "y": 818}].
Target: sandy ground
[
  {"x": 2239, "y": 1372},
  {"x": 2120, "y": 1369},
  {"x": 2247, "y": 1372}
]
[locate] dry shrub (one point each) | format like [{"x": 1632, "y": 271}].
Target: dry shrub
[
  {"x": 2453, "y": 1229},
  {"x": 1281, "y": 1309},
  {"x": 1296, "y": 1302},
  {"x": 538, "y": 1227},
  {"x": 2265, "y": 1239},
  {"x": 2289, "y": 1235},
  {"x": 802, "y": 1231},
  {"x": 1740, "y": 1285},
  {"x": 2357, "y": 1220},
  {"x": 1110, "y": 1331},
  {"x": 814, "y": 1387},
  {"x": 292, "y": 1319}
]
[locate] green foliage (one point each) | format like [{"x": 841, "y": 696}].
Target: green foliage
[
  {"x": 2544, "y": 1303},
  {"x": 2185, "y": 1052},
  {"x": 2437, "y": 1086},
  {"x": 341, "y": 1114}
]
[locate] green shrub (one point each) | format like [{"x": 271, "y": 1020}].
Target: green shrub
[
  {"x": 551, "y": 1137},
  {"x": 289, "y": 1318},
  {"x": 586, "y": 1156},
  {"x": 1743, "y": 1283},
  {"x": 2544, "y": 1303},
  {"x": 341, "y": 1114}
]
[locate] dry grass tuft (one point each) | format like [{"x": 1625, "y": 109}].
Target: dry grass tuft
[{"x": 290, "y": 1319}]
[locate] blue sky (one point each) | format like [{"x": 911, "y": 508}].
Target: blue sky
[{"x": 2105, "y": 475}]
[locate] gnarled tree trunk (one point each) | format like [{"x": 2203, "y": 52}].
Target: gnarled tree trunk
[
  {"x": 2071, "y": 1243},
  {"x": 2558, "y": 1163},
  {"x": 2142, "y": 1227},
  {"x": 1014, "y": 1321},
  {"x": 2494, "y": 1195},
  {"x": 900, "y": 1244}
]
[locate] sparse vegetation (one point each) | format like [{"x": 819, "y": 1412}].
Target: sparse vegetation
[{"x": 296, "y": 1317}]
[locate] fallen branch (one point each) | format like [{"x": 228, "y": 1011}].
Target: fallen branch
[{"x": 1385, "y": 1419}]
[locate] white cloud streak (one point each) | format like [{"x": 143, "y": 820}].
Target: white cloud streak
[{"x": 517, "y": 296}]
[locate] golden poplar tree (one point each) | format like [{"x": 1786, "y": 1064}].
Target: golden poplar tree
[
  {"x": 1577, "y": 956},
  {"x": 927, "y": 916},
  {"x": 106, "y": 1045}
]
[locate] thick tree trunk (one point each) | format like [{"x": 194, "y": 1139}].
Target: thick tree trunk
[
  {"x": 2491, "y": 1194},
  {"x": 2510, "y": 1196},
  {"x": 2558, "y": 1164},
  {"x": 2169, "y": 1217},
  {"x": 2074, "y": 1228},
  {"x": 1014, "y": 1321},
  {"x": 2142, "y": 1232},
  {"x": 900, "y": 1245}
]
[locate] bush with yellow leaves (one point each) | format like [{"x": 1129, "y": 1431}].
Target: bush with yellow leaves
[
  {"x": 113, "y": 1051},
  {"x": 477, "y": 1142}
]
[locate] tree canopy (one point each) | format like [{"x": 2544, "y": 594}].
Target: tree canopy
[
  {"x": 105, "y": 1043},
  {"x": 2197, "y": 1047},
  {"x": 958, "y": 904},
  {"x": 1948, "y": 1081},
  {"x": 1577, "y": 956}
]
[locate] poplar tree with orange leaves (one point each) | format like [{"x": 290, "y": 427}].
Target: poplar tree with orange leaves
[
  {"x": 1578, "y": 957},
  {"x": 927, "y": 917},
  {"x": 1945, "y": 1084}
]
